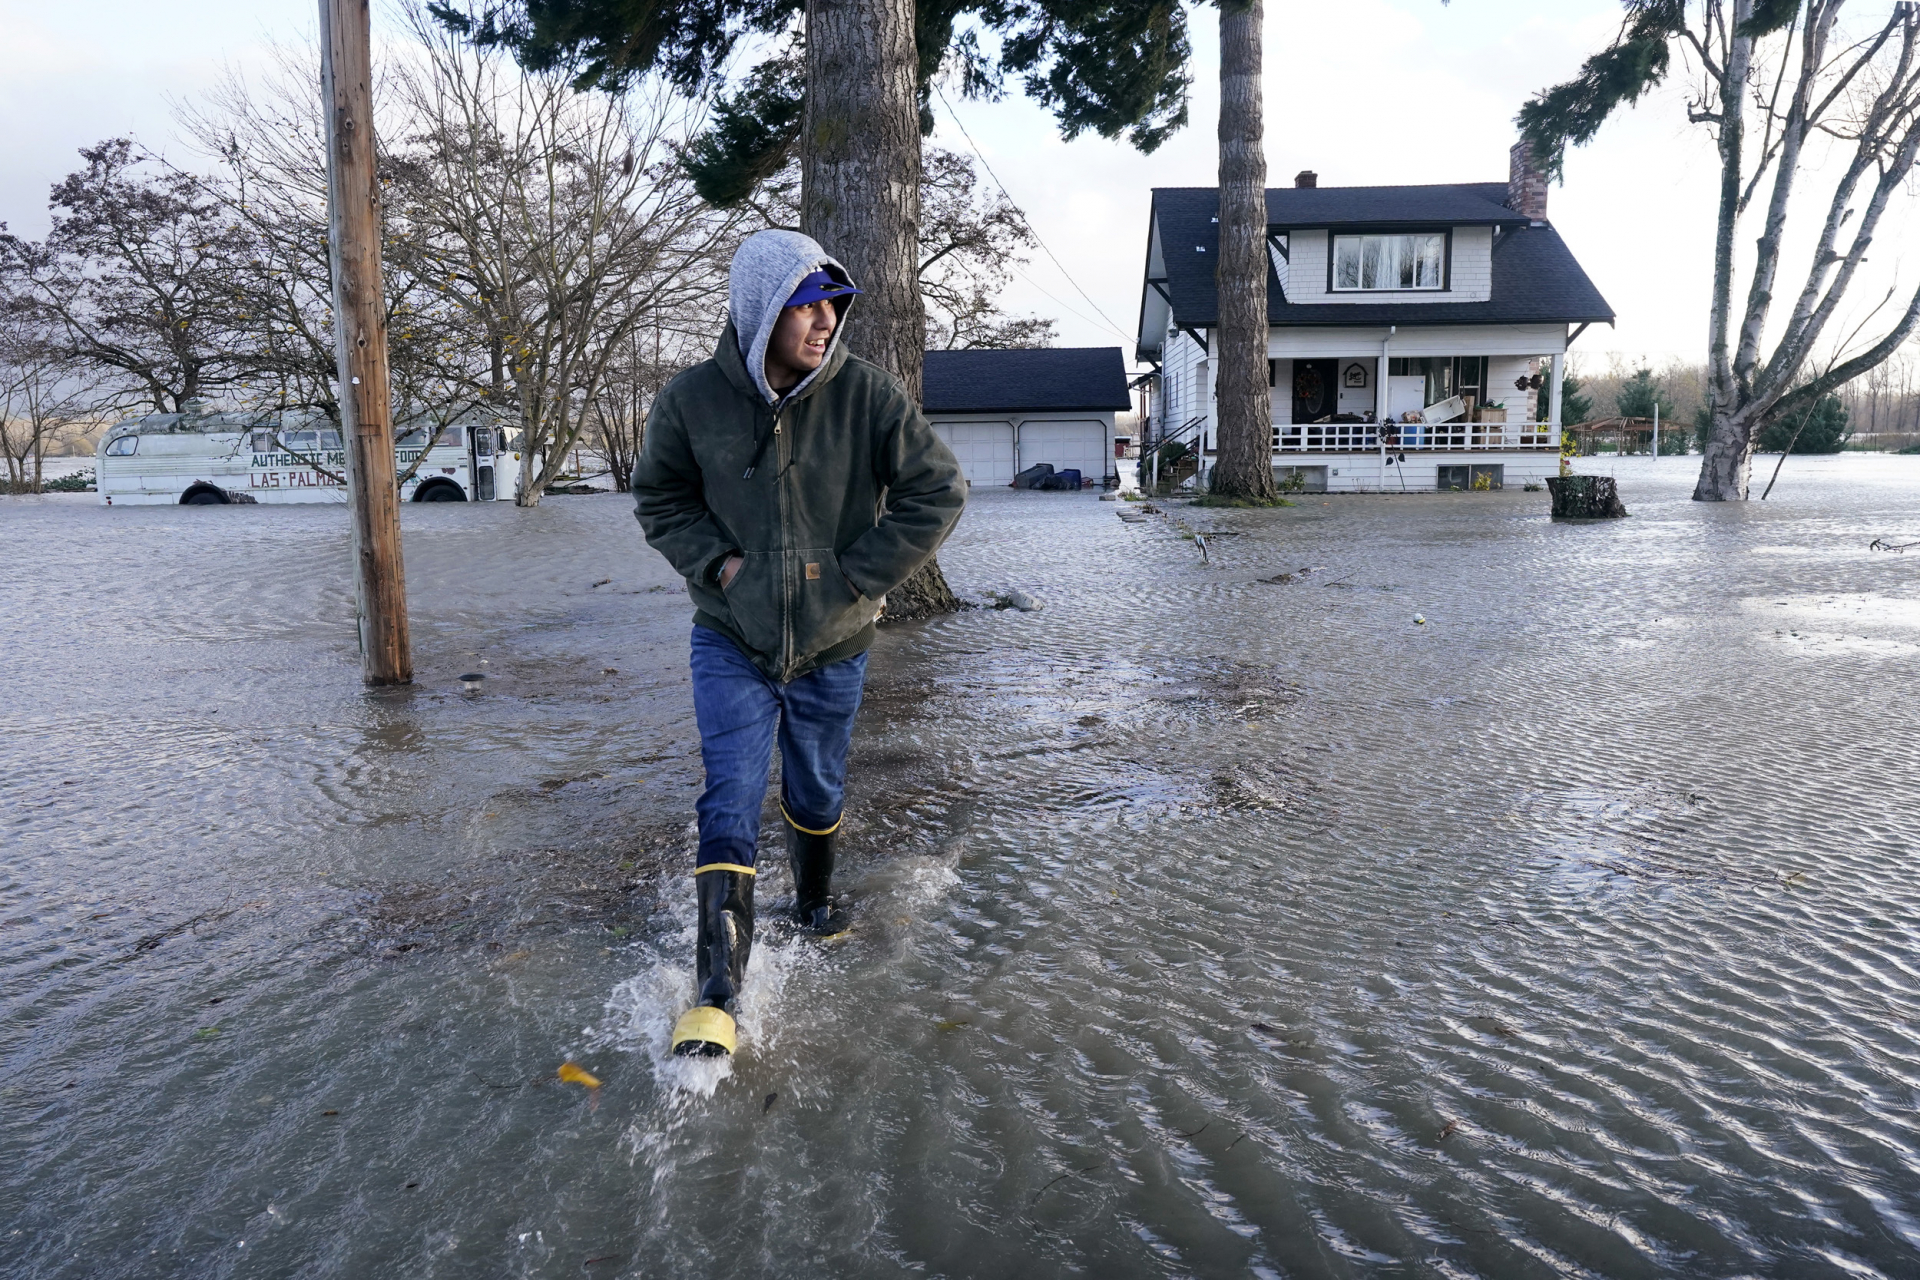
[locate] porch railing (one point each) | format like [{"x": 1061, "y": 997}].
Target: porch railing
[{"x": 1410, "y": 437}]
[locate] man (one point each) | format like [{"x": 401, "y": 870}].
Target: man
[{"x": 793, "y": 486}]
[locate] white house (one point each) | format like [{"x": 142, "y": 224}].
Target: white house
[
  {"x": 1002, "y": 411},
  {"x": 1462, "y": 299}
]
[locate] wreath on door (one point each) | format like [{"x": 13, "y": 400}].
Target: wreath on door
[{"x": 1307, "y": 387}]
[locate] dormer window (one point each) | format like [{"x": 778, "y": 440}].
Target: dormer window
[{"x": 1409, "y": 261}]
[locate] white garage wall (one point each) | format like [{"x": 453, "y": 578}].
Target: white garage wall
[
  {"x": 1084, "y": 444},
  {"x": 984, "y": 449}
]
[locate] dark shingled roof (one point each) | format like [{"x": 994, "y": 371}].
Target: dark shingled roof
[
  {"x": 1535, "y": 277},
  {"x": 1025, "y": 379},
  {"x": 1461, "y": 204}
]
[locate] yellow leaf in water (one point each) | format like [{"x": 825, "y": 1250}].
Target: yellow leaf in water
[{"x": 574, "y": 1075}]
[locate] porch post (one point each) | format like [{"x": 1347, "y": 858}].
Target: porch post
[
  {"x": 1553, "y": 404},
  {"x": 1210, "y": 396},
  {"x": 1380, "y": 408}
]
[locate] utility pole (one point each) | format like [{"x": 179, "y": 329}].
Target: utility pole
[{"x": 360, "y": 341}]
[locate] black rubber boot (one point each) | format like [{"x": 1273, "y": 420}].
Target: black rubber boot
[
  {"x": 810, "y": 854},
  {"x": 725, "y": 896}
]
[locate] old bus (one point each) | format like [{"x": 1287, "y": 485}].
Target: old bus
[{"x": 199, "y": 458}]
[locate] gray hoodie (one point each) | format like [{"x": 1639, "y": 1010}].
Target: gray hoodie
[{"x": 767, "y": 268}]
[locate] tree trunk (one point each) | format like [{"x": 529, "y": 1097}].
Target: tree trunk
[
  {"x": 860, "y": 198},
  {"x": 860, "y": 170},
  {"x": 1726, "y": 459},
  {"x": 1244, "y": 412},
  {"x": 1726, "y": 462}
]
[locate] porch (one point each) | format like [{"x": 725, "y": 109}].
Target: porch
[{"x": 1433, "y": 403}]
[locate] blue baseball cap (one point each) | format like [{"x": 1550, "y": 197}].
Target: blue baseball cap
[{"x": 817, "y": 286}]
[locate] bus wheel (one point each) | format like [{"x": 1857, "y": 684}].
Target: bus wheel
[
  {"x": 440, "y": 491},
  {"x": 203, "y": 495}
]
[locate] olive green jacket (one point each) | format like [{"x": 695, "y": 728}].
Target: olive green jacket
[{"x": 834, "y": 496}]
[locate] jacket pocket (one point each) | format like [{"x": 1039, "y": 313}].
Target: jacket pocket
[
  {"x": 754, "y": 600},
  {"x": 827, "y": 607}
]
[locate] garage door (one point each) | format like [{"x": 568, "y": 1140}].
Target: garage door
[
  {"x": 985, "y": 449},
  {"x": 1081, "y": 445}
]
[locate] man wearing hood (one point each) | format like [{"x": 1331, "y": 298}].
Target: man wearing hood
[{"x": 793, "y": 486}]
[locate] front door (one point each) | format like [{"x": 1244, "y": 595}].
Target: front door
[
  {"x": 483, "y": 464},
  {"x": 1315, "y": 391}
]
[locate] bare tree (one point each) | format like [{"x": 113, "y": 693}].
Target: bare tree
[
  {"x": 559, "y": 223},
  {"x": 1786, "y": 71},
  {"x": 644, "y": 362},
  {"x": 136, "y": 278},
  {"x": 1244, "y": 469},
  {"x": 970, "y": 242},
  {"x": 269, "y": 146},
  {"x": 39, "y": 396}
]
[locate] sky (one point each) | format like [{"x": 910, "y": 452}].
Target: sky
[{"x": 1363, "y": 92}]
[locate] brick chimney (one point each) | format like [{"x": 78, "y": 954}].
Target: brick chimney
[
  {"x": 1306, "y": 178},
  {"x": 1526, "y": 183}
]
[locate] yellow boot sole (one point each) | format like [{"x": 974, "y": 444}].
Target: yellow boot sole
[{"x": 704, "y": 1031}]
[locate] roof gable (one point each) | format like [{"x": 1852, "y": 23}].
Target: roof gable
[{"x": 1535, "y": 276}]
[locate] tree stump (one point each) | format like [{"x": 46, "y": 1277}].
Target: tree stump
[
  {"x": 923, "y": 595},
  {"x": 1585, "y": 498}
]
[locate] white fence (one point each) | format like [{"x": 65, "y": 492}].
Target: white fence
[{"x": 1410, "y": 437}]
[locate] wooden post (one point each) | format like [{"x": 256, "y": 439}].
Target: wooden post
[{"x": 360, "y": 341}]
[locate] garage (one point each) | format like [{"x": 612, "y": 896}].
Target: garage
[
  {"x": 1002, "y": 410},
  {"x": 984, "y": 449},
  {"x": 1071, "y": 444}
]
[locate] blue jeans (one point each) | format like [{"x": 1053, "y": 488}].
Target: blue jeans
[{"x": 740, "y": 711}]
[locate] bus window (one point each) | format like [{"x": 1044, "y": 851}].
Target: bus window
[
  {"x": 483, "y": 442},
  {"x": 450, "y": 438},
  {"x": 302, "y": 441},
  {"x": 123, "y": 447},
  {"x": 263, "y": 442},
  {"x": 329, "y": 439}
]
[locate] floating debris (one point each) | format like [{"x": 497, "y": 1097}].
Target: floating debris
[{"x": 571, "y": 1074}]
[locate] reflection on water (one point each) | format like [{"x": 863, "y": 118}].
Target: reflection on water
[{"x": 1213, "y": 921}]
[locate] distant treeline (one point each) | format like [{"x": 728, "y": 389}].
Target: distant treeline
[{"x": 1879, "y": 410}]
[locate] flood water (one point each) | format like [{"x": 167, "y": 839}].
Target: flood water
[{"x": 1211, "y": 922}]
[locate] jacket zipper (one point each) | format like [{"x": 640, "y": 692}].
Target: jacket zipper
[{"x": 786, "y": 537}]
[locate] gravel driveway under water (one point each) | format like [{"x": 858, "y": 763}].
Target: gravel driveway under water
[{"x": 1216, "y": 919}]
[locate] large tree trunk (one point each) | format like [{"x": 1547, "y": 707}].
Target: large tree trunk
[
  {"x": 860, "y": 170},
  {"x": 1244, "y": 464},
  {"x": 860, "y": 197}
]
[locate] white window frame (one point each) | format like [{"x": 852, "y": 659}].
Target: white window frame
[{"x": 1402, "y": 242}]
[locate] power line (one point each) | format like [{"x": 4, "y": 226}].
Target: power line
[{"x": 955, "y": 115}]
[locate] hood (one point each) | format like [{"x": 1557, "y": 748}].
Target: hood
[{"x": 767, "y": 268}]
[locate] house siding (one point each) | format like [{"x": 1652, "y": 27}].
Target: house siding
[
  {"x": 1437, "y": 340},
  {"x": 1502, "y": 371},
  {"x": 1188, "y": 374},
  {"x": 1470, "y": 278},
  {"x": 1307, "y": 255}
]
